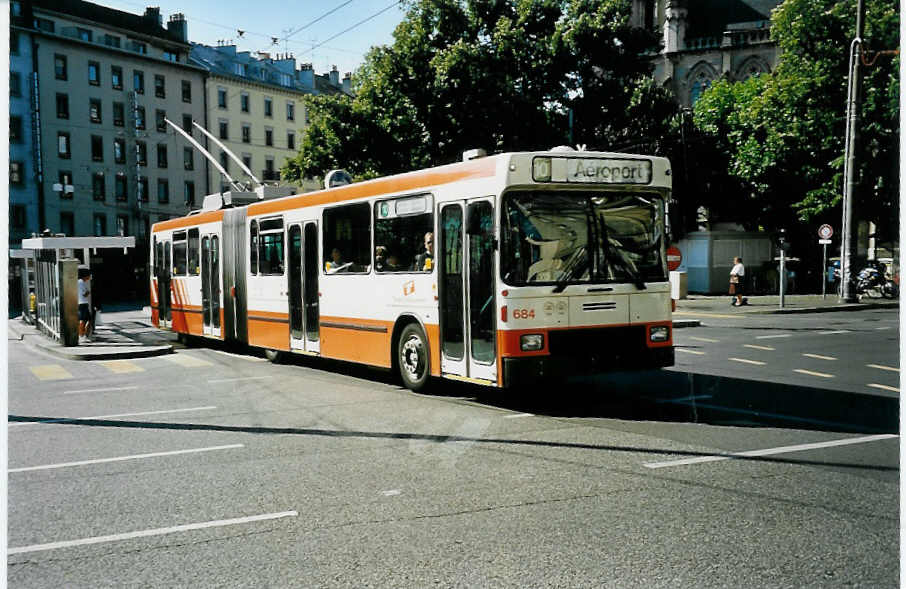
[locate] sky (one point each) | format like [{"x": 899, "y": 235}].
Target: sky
[{"x": 321, "y": 32}]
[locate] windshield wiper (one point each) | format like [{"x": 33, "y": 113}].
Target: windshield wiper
[{"x": 617, "y": 257}]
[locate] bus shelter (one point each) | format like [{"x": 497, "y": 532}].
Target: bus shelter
[{"x": 50, "y": 267}]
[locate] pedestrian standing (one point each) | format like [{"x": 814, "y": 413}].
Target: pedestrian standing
[
  {"x": 737, "y": 282},
  {"x": 84, "y": 304}
]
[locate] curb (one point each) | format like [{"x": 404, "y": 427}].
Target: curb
[{"x": 145, "y": 352}]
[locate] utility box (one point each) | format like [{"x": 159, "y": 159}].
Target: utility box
[{"x": 679, "y": 285}]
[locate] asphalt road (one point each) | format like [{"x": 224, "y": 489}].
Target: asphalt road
[{"x": 212, "y": 468}]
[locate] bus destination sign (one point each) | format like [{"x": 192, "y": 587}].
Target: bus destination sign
[{"x": 591, "y": 170}]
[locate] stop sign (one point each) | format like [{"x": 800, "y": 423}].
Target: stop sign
[{"x": 674, "y": 258}]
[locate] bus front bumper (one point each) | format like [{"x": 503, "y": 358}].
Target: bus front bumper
[{"x": 528, "y": 370}]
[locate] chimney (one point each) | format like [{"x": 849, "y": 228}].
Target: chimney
[
  {"x": 335, "y": 77},
  {"x": 306, "y": 76},
  {"x": 347, "y": 82},
  {"x": 152, "y": 15},
  {"x": 178, "y": 27}
]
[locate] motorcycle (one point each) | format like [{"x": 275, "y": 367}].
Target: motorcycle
[{"x": 871, "y": 281}]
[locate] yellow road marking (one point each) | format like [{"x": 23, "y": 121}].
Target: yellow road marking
[
  {"x": 705, "y": 339},
  {"x": 122, "y": 366},
  {"x": 811, "y": 373},
  {"x": 50, "y": 372},
  {"x": 885, "y": 387},
  {"x": 186, "y": 360}
]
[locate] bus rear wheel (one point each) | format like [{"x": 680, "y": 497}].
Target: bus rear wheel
[{"x": 413, "y": 358}]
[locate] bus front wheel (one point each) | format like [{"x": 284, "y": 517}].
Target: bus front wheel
[{"x": 412, "y": 357}]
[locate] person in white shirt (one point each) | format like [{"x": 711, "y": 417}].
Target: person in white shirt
[
  {"x": 84, "y": 304},
  {"x": 737, "y": 282}
]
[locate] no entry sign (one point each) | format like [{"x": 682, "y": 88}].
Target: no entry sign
[{"x": 674, "y": 258}]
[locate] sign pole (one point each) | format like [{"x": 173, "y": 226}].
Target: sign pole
[
  {"x": 782, "y": 275},
  {"x": 824, "y": 274}
]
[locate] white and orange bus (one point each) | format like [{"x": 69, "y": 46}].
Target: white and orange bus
[{"x": 497, "y": 270}]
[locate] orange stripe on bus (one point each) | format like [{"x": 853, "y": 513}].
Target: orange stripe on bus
[
  {"x": 268, "y": 334},
  {"x": 208, "y": 217}
]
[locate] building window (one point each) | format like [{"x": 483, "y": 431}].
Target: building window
[
  {"x": 140, "y": 117},
  {"x": 290, "y": 111},
  {"x": 15, "y": 84},
  {"x": 239, "y": 69},
  {"x": 62, "y": 106},
  {"x": 160, "y": 89},
  {"x": 139, "y": 47},
  {"x": 142, "y": 189},
  {"x": 63, "y": 147},
  {"x": 59, "y": 67},
  {"x": 189, "y": 193},
  {"x": 141, "y": 153},
  {"x": 97, "y": 148},
  {"x": 98, "y": 187},
  {"x": 14, "y": 42},
  {"x": 43, "y": 24},
  {"x": 221, "y": 98},
  {"x": 85, "y": 34},
  {"x": 94, "y": 110},
  {"x": 290, "y": 140},
  {"x": 67, "y": 223},
  {"x": 247, "y": 160},
  {"x": 138, "y": 81},
  {"x": 163, "y": 191},
  {"x": 268, "y": 107},
  {"x": 246, "y": 133},
  {"x": 244, "y": 102},
  {"x": 16, "y": 175},
  {"x": 116, "y": 77},
  {"x": 224, "y": 130},
  {"x": 119, "y": 114},
  {"x": 112, "y": 41},
  {"x": 94, "y": 73},
  {"x": 188, "y": 158},
  {"x": 119, "y": 150},
  {"x": 100, "y": 225},
  {"x": 269, "y": 137},
  {"x": 15, "y": 129},
  {"x": 170, "y": 56},
  {"x": 121, "y": 187},
  {"x": 17, "y": 216},
  {"x": 161, "y": 155},
  {"x": 122, "y": 225},
  {"x": 225, "y": 161},
  {"x": 186, "y": 91},
  {"x": 159, "y": 116},
  {"x": 187, "y": 124}
]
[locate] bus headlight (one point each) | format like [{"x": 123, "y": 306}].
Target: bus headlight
[
  {"x": 659, "y": 333},
  {"x": 531, "y": 342}
]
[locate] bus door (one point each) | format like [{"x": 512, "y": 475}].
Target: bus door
[
  {"x": 164, "y": 267},
  {"x": 294, "y": 263},
  {"x": 467, "y": 302},
  {"x": 303, "y": 287},
  {"x": 210, "y": 284},
  {"x": 310, "y": 294}
]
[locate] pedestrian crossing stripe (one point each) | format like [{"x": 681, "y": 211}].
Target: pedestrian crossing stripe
[
  {"x": 186, "y": 360},
  {"x": 50, "y": 372},
  {"x": 122, "y": 366}
]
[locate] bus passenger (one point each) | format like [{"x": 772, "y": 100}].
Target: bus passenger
[
  {"x": 336, "y": 263},
  {"x": 425, "y": 260}
]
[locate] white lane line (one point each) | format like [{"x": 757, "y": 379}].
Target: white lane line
[
  {"x": 833, "y": 332},
  {"x": 885, "y": 327},
  {"x": 697, "y": 352},
  {"x": 391, "y": 493},
  {"x": 774, "y": 336},
  {"x": 241, "y": 356},
  {"x": 99, "y": 390},
  {"x": 518, "y": 415},
  {"x": 154, "y": 532},
  {"x": 884, "y": 387},
  {"x": 881, "y": 367},
  {"x": 812, "y": 373},
  {"x": 705, "y": 339},
  {"x": 122, "y": 458},
  {"x": 770, "y": 451},
  {"x": 65, "y": 419},
  {"x": 754, "y": 347},
  {"x": 755, "y": 362},
  {"x": 819, "y": 357},
  {"x": 216, "y": 380}
]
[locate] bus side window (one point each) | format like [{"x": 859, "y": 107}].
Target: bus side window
[
  {"x": 194, "y": 267},
  {"x": 347, "y": 239},
  {"x": 402, "y": 228},
  {"x": 270, "y": 247},
  {"x": 253, "y": 248},
  {"x": 179, "y": 253}
]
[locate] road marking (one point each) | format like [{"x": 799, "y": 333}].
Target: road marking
[
  {"x": 391, "y": 493},
  {"x": 690, "y": 351},
  {"x": 884, "y": 387},
  {"x": 518, "y": 415},
  {"x": 186, "y": 360},
  {"x": 754, "y": 347},
  {"x": 819, "y": 356},
  {"x": 122, "y": 458},
  {"x": 834, "y": 332},
  {"x": 50, "y": 372},
  {"x": 774, "y": 336},
  {"x": 755, "y": 362},
  {"x": 241, "y": 356},
  {"x": 885, "y": 327},
  {"x": 65, "y": 419},
  {"x": 122, "y": 366},
  {"x": 147, "y": 533},
  {"x": 705, "y": 339},
  {"x": 239, "y": 378},
  {"x": 881, "y": 367},
  {"x": 811, "y": 373},
  {"x": 770, "y": 451},
  {"x": 99, "y": 390}
]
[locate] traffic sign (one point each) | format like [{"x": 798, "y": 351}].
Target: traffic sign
[
  {"x": 825, "y": 231},
  {"x": 825, "y": 241},
  {"x": 674, "y": 258}
]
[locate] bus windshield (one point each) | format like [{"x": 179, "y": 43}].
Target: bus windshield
[{"x": 581, "y": 237}]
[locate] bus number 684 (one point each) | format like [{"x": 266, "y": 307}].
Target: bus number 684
[{"x": 523, "y": 313}]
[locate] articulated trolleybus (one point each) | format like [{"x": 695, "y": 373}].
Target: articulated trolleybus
[{"x": 495, "y": 270}]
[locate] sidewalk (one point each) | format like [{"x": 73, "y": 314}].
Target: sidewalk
[
  {"x": 122, "y": 335},
  {"x": 770, "y": 304}
]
